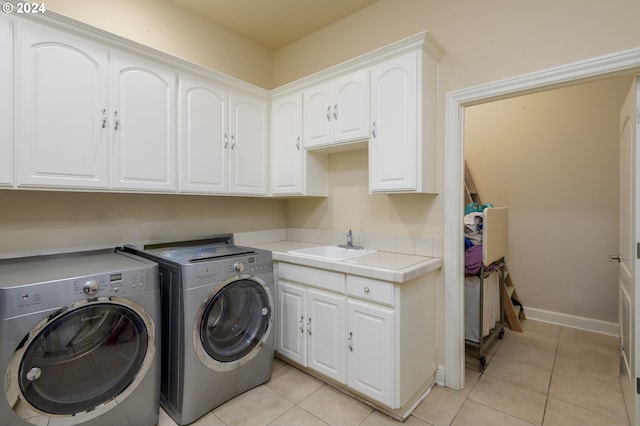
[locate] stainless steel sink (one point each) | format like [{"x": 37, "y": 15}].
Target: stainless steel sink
[{"x": 333, "y": 252}]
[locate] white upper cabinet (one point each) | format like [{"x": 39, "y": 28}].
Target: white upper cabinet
[
  {"x": 247, "y": 144},
  {"x": 294, "y": 171},
  {"x": 337, "y": 111},
  {"x": 223, "y": 139},
  {"x": 204, "y": 139},
  {"x": 6, "y": 102},
  {"x": 286, "y": 144},
  {"x": 393, "y": 145},
  {"x": 403, "y": 143},
  {"x": 142, "y": 119},
  {"x": 61, "y": 129}
]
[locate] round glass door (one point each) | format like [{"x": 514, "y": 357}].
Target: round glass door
[
  {"x": 235, "y": 320},
  {"x": 83, "y": 358}
]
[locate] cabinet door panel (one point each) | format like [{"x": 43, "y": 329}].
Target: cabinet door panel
[
  {"x": 143, "y": 99},
  {"x": 392, "y": 148},
  {"x": 371, "y": 359},
  {"x": 350, "y": 111},
  {"x": 248, "y": 145},
  {"x": 204, "y": 137},
  {"x": 325, "y": 329},
  {"x": 317, "y": 116},
  {"x": 6, "y": 102},
  {"x": 61, "y": 93},
  {"x": 286, "y": 145},
  {"x": 292, "y": 341}
]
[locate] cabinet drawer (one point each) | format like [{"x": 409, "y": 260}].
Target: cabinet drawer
[
  {"x": 368, "y": 289},
  {"x": 319, "y": 278}
]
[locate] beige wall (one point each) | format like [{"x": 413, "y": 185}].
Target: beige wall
[
  {"x": 552, "y": 158},
  {"x": 38, "y": 221},
  {"x": 164, "y": 26},
  {"x": 485, "y": 41}
]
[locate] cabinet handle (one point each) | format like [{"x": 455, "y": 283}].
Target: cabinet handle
[
  {"x": 104, "y": 118},
  {"x": 329, "y": 113},
  {"x": 373, "y": 130},
  {"x": 366, "y": 289},
  {"x": 350, "y": 342},
  {"x": 309, "y": 326},
  {"x": 116, "y": 120},
  {"x": 298, "y": 143},
  {"x": 301, "y": 324},
  {"x": 226, "y": 141},
  {"x": 233, "y": 141},
  {"x": 335, "y": 111}
]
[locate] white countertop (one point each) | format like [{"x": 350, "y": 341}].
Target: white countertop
[{"x": 382, "y": 265}]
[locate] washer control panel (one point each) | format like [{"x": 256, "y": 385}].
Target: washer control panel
[
  {"x": 51, "y": 282},
  {"x": 250, "y": 265}
]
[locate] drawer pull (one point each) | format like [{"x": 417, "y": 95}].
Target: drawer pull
[{"x": 366, "y": 290}]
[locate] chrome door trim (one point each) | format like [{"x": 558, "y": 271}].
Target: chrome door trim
[
  {"x": 24, "y": 409},
  {"x": 200, "y": 351}
]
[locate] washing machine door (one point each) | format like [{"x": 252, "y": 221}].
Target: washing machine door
[
  {"x": 234, "y": 322},
  {"x": 82, "y": 357}
]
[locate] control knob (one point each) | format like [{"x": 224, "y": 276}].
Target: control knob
[
  {"x": 238, "y": 266},
  {"x": 90, "y": 287}
]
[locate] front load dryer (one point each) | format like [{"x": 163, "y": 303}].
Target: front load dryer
[
  {"x": 78, "y": 336},
  {"x": 218, "y": 339}
]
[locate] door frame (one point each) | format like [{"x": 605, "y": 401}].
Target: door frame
[{"x": 455, "y": 102}]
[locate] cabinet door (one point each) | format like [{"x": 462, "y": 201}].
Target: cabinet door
[
  {"x": 6, "y": 102},
  {"x": 325, "y": 331},
  {"x": 142, "y": 121},
  {"x": 371, "y": 343},
  {"x": 203, "y": 136},
  {"x": 392, "y": 147},
  {"x": 291, "y": 340},
  {"x": 350, "y": 110},
  {"x": 248, "y": 144},
  {"x": 61, "y": 107},
  {"x": 317, "y": 122},
  {"x": 286, "y": 145}
]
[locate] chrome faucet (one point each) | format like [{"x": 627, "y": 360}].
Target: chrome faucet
[
  {"x": 349, "y": 244},
  {"x": 349, "y": 239}
]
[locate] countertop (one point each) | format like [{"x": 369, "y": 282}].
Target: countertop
[{"x": 382, "y": 265}]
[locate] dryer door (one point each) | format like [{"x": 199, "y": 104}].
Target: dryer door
[
  {"x": 234, "y": 323},
  {"x": 80, "y": 358}
]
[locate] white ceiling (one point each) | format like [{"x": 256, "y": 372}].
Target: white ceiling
[{"x": 274, "y": 23}]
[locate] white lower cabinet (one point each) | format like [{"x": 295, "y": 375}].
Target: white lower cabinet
[
  {"x": 375, "y": 338},
  {"x": 370, "y": 357},
  {"x": 311, "y": 329}
]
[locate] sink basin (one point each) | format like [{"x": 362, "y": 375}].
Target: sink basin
[{"x": 333, "y": 252}]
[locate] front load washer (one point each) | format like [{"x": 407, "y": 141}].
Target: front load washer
[
  {"x": 217, "y": 313},
  {"x": 78, "y": 336}
]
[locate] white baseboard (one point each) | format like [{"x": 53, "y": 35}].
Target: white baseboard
[
  {"x": 440, "y": 375},
  {"x": 566, "y": 320}
]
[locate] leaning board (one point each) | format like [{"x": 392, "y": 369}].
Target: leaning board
[{"x": 495, "y": 234}]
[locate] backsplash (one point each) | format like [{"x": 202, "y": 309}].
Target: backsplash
[{"x": 405, "y": 244}]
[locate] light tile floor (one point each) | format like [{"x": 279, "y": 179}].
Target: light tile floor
[{"x": 548, "y": 375}]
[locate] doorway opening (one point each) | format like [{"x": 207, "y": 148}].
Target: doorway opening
[{"x": 456, "y": 101}]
